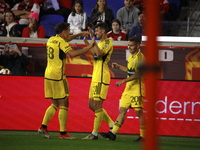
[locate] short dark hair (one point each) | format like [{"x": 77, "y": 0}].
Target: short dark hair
[
  {"x": 61, "y": 26},
  {"x": 116, "y": 20},
  {"x": 102, "y": 25},
  {"x": 135, "y": 39}
]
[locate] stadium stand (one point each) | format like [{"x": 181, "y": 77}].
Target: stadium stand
[{"x": 49, "y": 22}]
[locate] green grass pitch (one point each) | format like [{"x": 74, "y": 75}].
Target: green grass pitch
[{"x": 31, "y": 140}]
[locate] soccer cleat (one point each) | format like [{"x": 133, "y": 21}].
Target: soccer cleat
[
  {"x": 108, "y": 135},
  {"x": 44, "y": 131},
  {"x": 65, "y": 136},
  {"x": 140, "y": 139},
  {"x": 90, "y": 137}
]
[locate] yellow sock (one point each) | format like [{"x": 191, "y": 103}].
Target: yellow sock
[
  {"x": 107, "y": 118},
  {"x": 62, "y": 116},
  {"x": 49, "y": 114},
  {"x": 116, "y": 127},
  {"x": 142, "y": 130},
  {"x": 97, "y": 120}
]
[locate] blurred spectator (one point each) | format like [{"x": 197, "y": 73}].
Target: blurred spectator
[
  {"x": 49, "y": 7},
  {"x": 140, "y": 4},
  {"x": 65, "y": 8},
  {"x": 101, "y": 13},
  {"x": 33, "y": 29},
  {"x": 23, "y": 9},
  {"x": 3, "y": 7},
  {"x": 128, "y": 16},
  {"x": 138, "y": 30},
  {"x": 13, "y": 59},
  {"x": 164, "y": 10},
  {"x": 116, "y": 34},
  {"x": 9, "y": 27},
  {"x": 12, "y": 3},
  {"x": 77, "y": 19}
]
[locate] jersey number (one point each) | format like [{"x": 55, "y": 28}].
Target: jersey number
[{"x": 50, "y": 53}]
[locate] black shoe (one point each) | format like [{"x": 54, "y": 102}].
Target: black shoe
[
  {"x": 140, "y": 139},
  {"x": 108, "y": 135}
]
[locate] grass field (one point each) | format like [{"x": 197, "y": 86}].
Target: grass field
[{"x": 31, "y": 140}]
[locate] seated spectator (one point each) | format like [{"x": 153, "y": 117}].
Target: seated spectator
[
  {"x": 140, "y": 4},
  {"x": 77, "y": 19},
  {"x": 9, "y": 27},
  {"x": 116, "y": 34},
  {"x": 65, "y": 8},
  {"x": 128, "y": 16},
  {"x": 14, "y": 60},
  {"x": 3, "y": 7},
  {"x": 101, "y": 13},
  {"x": 33, "y": 29},
  {"x": 138, "y": 30},
  {"x": 49, "y": 7},
  {"x": 164, "y": 10},
  {"x": 12, "y": 3},
  {"x": 23, "y": 9}
]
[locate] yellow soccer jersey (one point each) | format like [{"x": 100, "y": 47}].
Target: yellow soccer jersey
[
  {"x": 135, "y": 87},
  {"x": 57, "y": 48},
  {"x": 101, "y": 71}
]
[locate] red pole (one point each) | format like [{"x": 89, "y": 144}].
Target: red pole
[{"x": 151, "y": 54}]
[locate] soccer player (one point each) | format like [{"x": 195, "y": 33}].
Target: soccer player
[
  {"x": 56, "y": 85},
  {"x": 133, "y": 94},
  {"x": 100, "y": 78}
]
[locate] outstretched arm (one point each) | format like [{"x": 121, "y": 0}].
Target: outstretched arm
[
  {"x": 133, "y": 77},
  {"x": 82, "y": 34},
  {"x": 120, "y": 67},
  {"x": 75, "y": 53}
]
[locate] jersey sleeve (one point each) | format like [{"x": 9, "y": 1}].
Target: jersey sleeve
[
  {"x": 65, "y": 47},
  {"x": 106, "y": 46}
]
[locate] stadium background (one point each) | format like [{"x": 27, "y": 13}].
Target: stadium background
[{"x": 177, "y": 106}]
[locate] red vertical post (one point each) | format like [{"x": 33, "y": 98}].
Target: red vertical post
[{"x": 152, "y": 27}]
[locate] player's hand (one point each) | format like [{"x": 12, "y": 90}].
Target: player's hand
[
  {"x": 115, "y": 65},
  {"x": 91, "y": 32},
  {"x": 84, "y": 34},
  {"x": 92, "y": 42},
  {"x": 86, "y": 41},
  {"x": 118, "y": 83}
]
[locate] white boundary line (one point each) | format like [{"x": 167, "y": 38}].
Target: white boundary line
[{"x": 173, "y": 119}]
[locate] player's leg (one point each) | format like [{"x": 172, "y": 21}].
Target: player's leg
[
  {"x": 141, "y": 116},
  {"x": 50, "y": 111},
  {"x": 103, "y": 95},
  {"x": 124, "y": 105},
  {"x": 117, "y": 125},
  {"x": 107, "y": 119},
  {"x": 96, "y": 106},
  {"x": 137, "y": 104},
  {"x": 63, "y": 91}
]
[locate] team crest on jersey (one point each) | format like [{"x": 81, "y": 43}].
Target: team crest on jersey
[{"x": 132, "y": 62}]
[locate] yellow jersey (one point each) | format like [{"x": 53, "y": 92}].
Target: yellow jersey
[
  {"x": 101, "y": 71},
  {"x": 57, "y": 49},
  {"x": 135, "y": 87}
]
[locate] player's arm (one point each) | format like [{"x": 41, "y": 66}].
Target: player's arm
[
  {"x": 82, "y": 34},
  {"x": 97, "y": 51},
  {"x": 75, "y": 53},
  {"x": 132, "y": 77},
  {"x": 120, "y": 67},
  {"x": 87, "y": 43}
]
